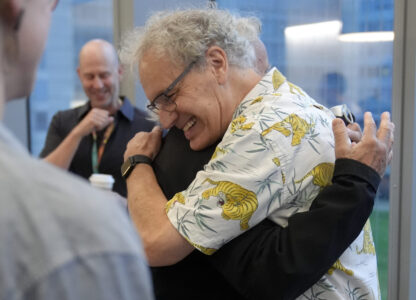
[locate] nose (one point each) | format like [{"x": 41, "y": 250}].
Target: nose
[
  {"x": 97, "y": 83},
  {"x": 167, "y": 119}
]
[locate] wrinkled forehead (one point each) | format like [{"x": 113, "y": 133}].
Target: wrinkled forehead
[{"x": 156, "y": 73}]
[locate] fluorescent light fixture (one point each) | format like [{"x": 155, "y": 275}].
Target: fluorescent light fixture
[
  {"x": 367, "y": 37},
  {"x": 313, "y": 29}
]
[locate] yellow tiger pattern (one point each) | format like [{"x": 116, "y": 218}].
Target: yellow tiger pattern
[
  {"x": 298, "y": 125},
  {"x": 207, "y": 251},
  {"x": 238, "y": 124},
  {"x": 295, "y": 87},
  {"x": 338, "y": 266},
  {"x": 278, "y": 79},
  {"x": 276, "y": 161},
  {"x": 322, "y": 175},
  {"x": 217, "y": 151},
  {"x": 368, "y": 244},
  {"x": 177, "y": 198},
  {"x": 256, "y": 100},
  {"x": 239, "y": 204}
]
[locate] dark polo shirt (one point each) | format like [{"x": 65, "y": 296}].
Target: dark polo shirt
[
  {"x": 268, "y": 261},
  {"x": 129, "y": 120}
]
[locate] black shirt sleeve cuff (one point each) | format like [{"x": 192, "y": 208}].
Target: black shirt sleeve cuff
[{"x": 350, "y": 167}]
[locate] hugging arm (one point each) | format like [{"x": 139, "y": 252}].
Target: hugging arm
[{"x": 271, "y": 262}]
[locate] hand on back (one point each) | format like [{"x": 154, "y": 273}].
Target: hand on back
[
  {"x": 375, "y": 147},
  {"x": 145, "y": 143}
]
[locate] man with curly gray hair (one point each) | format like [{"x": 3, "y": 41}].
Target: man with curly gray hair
[{"x": 276, "y": 150}]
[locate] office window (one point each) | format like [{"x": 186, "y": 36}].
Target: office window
[
  {"x": 314, "y": 43},
  {"x": 57, "y": 86}
]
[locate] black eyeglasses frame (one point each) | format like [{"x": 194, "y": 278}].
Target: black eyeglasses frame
[{"x": 163, "y": 100}]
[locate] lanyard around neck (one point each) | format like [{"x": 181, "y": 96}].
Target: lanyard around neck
[{"x": 97, "y": 151}]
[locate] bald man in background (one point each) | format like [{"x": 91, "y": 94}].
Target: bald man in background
[{"x": 92, "y": 138}]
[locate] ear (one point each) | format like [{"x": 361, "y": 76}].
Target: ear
[
  {"x": 11, "y": 12},
  {"x": 217, "y": 61},
  {"x": 79, "y": 72}
]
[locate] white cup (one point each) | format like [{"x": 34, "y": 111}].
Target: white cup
[{"x": 102, "y": 181}]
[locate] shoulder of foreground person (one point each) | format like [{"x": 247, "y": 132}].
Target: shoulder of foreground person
[{"x": 82, "y": 244}]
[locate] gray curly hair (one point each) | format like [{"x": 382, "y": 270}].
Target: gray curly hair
[{"x": 185, "y": 35}]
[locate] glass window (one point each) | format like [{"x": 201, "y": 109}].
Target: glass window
[
  {"x": 57, "y": 86},
  {"x": 339, "y": 52}
]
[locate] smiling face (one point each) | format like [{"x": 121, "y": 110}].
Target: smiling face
[
  {"x": 100, "y": 74},
  {"x": 203, "y": 110}
]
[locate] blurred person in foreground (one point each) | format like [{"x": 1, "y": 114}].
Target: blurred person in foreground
[
  {"x": 59, "y": 237},
  {"x": 91, "y": 138},
  {"x": 274, "y": 156}
]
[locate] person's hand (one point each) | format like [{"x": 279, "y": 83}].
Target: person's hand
[
  {"x": 145, "y": 143},
  {"x": 354, "y": 132},
  {"x": 96, "y": 120},
  {"x": 375, "y": 147}
]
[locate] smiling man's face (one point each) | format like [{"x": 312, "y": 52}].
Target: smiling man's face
[
  {"x": 100, "y": 75},
  {"x": 199, "y": 109}
]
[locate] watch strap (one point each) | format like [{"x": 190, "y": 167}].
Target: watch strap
[
  {"x": 140, "y": 159},
  {"x": 128, "y": 166}
]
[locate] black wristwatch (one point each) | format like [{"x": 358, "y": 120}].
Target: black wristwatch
[{"x": 131, "y": 162}]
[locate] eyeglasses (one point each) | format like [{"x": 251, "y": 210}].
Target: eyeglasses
[{"x": 163, "y": 101}]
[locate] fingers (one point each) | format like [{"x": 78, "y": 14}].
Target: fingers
[
  {"x": 157, "y": 130},
  {"x": 370, "y": 127},
  {"x": 354, "y": 132},
  {"x": 157, "y": 138},
  {"x": 389, "y": 157},
  {"x": 386, "y": 130},
  {"x": 386, "y": 134},
  {"x": 105, "y": 122},
  {"x": 99, "y": 118},
  {"x": 342, "y": 141},
  {"x": 354, "y": 126},
  {"x": 355, "y": 136},
  {"x": 375, "y": 147},
  {"x": 145, "y": 143}
]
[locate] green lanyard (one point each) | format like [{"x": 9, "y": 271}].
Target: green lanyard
[{"x": 97, "y": 152}]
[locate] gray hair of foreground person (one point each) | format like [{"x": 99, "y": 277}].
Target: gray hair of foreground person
[{"x": 184, "y": 36}]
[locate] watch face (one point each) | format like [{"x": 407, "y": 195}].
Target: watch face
[
  {"x": 131, "y": 162},
  {"x": 126, "y": 169}
]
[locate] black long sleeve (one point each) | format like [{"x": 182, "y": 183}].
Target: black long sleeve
[{"x": 271, "y": 262}]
